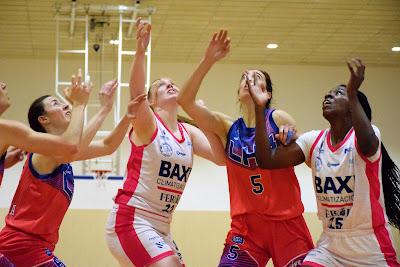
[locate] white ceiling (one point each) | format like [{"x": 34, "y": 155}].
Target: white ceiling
[{"x": 307, "y": 31}]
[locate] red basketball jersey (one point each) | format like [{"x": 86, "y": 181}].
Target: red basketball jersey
[
  {"x": 40, "y": 202},
  {"x": 273, "y": 193},
  {"x": 2, "y": 167}
]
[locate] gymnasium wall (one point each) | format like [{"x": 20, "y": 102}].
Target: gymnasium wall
[{"x": 202, "y": 219}]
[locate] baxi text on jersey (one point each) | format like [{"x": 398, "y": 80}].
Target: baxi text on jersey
[{"x": 179, "y": 172}]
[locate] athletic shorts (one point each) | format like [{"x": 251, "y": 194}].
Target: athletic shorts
[
  {"x": 25, "y": 250},
  {"x": 352, "y": 249},
  {"x": 135, "y": 239},
  {"x": 254, "y": 240}
]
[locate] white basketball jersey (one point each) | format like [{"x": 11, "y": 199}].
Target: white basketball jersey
[
  {"x": 348, "y": 185},
  {"x": 157, "y": 173}
]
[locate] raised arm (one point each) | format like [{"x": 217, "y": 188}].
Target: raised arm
[
  {"x": 267, "y": 158},
  {"x": 367, "y": 141},
  {"x": 207, "y": 145},
  {"x": 106, "y": 99},
  {"x": 206, "y": 119},
  {"x": 145, "y": 124},
  {"x": 16, "y": 134},
  {"x": 109, "y": 144}
]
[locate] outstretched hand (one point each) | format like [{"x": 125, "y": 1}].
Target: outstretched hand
[
  {"x": 133, "y": 106},
  {"x": 14, "y": 155},
  {"x": 78, "y": 93},
  {"x": 218, "y": 47},
  {"x": 357, "y": 69},
  {"x": 106, "y": 94},
  {"x": 143, "y": 31},
  {"x": 259, "y": 94}
]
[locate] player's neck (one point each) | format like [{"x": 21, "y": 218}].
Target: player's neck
[
  {"x": 249, "y": 116},
  {"x": 339, "y": 130},
  {"x": 169, "y": 117}
]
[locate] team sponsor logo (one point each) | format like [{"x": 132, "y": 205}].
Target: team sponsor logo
[
  {"x": 330, "y": 165},
  {"x": 179, "y": 172},
  {"x": 297, "y": 261},
  {"x": 348, "y": 150},
  {"x": 166, "y": 150},
  {"x": 335, "y": 185},
  {"x": 318, "y": 163},
  {"x": 48, "y": 252},
  {"x": 179, "y": 153},
  {"x": 58, "y": 262},
  {"x": 160, "y": 244},
  {"x": 238, "y": 240},
  {"x": 12, "y": 210}
]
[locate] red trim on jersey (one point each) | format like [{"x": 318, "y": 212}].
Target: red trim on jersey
[
  {"x": 331, "y": 147},
  {"x": 128, "y": 239},
  {"x": 179, "y": 127},
  {"x": 365, "y": 158},
  {"x": 315, "y": 143},
  {"x": 160, "y": 257},
  {"x": 144, "y": 145},
  {"x": 312, "y": 264},
  {"x": 336, "y": 205},
  {"x": 170, "y": 190},
  {"x": 134, "y": 166},
  {"x": 183, "y": 126},
  {"x": 378, "y": 213}
]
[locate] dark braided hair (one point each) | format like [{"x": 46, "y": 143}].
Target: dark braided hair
[
  {"x": 35, "y": 111},
  {"x": 390, "y": 174}
]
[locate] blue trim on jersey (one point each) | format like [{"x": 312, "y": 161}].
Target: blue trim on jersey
[
  {"x": 3, "y": 157},
  {"x": 272, "y": 123},
  {"x": 57, "y": 171}
]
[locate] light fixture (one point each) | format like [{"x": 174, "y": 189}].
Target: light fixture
[
  {"x": 114, "y": 42},
  {"x": 122, "y": 8},
  {"x": 396, "y": 48},
  {"x": 272, "y": 46}
]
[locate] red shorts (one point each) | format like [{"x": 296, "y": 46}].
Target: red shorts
[
  {"x": 254, "y": 240},
  {"x": 23, "y": 249}
]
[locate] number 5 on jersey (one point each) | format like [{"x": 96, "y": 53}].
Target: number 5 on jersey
[{"x": 258, "y": 187}]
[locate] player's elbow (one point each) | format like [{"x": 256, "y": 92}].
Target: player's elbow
[{"x": 71, "y": 149}]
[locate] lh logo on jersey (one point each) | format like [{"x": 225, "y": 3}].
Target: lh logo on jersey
[
  {"x": 335, "y": 185},
  {"x": 166, "y": 150}
]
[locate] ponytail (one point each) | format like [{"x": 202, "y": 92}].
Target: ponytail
[
  {"x": 391, "y": 188},
  {"x": 390, "y": 174}
]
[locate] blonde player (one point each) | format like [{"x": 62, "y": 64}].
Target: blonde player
[{"x": 138, "y": 229}]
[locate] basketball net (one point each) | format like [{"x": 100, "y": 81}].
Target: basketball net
[{"x": 101, "y": 176}]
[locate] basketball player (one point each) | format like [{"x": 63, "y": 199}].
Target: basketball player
[
  {"x": 17, "y": 134},
  {"x": 138, "y": 229},
  {"x": 266, "y": 209},
  {"x": 13, "y": 133},
  {"x": 46, "y": 185},
  {"x": 346, "y": 162}
]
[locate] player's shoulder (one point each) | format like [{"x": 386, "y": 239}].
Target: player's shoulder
[{"x": 281, "y": 117}]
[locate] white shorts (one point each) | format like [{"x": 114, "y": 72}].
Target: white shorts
[
  {"x": 345, "y": 249},
  {"x": 135, "y": 239}
]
